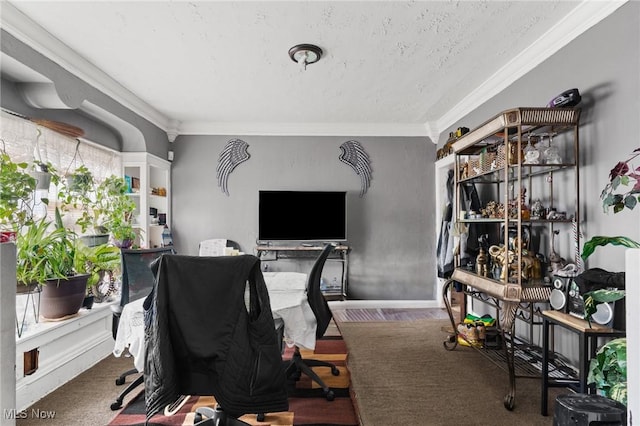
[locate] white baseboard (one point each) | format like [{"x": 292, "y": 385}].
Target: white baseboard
[{"x": 387, "y": 304}]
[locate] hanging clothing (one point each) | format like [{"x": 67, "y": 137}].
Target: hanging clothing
[
  {"x": 470, "y": 243},
  {"x": 445, "y": 240},
  {"x": 201, "y": 339}
]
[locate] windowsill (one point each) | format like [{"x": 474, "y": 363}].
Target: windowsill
[{"x": 33, "y": 330}]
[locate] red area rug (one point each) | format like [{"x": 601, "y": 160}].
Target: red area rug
[{"x": 307, "y": 405}]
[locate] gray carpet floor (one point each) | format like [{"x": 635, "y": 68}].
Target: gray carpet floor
[
  {"x": 415, "y": 381},
  {"x": 86, "y": 399},
  {"x": 401, "y": 375}
]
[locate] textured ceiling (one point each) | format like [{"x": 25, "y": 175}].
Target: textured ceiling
[{"x": 225, "y": 65}]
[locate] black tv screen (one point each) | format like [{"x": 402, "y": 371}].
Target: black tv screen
[{"x": 302, "y": 215}]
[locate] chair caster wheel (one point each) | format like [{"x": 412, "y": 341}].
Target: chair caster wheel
[
  {"x": 116, "y": 405},
  {"x": 260, "y": 417},
  {"x": 335, "y": 371},
  {"x": 330, "y": 395},
  {"x": 509, "y": 402},
  {"x": 120, "y": 381}
]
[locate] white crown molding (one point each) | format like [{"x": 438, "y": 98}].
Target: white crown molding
[
  {"x": 27, "y": 31},
  {"x": 584, "y": 16},
  {"x": 304, "y": 129},
  {"x": 432, "y": 131}
]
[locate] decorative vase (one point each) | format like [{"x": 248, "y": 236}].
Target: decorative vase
[{"x": 61, "y": 298}]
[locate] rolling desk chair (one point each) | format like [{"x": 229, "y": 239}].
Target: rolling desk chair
[
  {"x": 322, "y": 312},
  {"x": 137, "y": 283},
  {"x": 215, "y": 247},
  {"x": 205, "y": 338}
]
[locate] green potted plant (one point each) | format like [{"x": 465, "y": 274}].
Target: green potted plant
[
  {"x": 621, "y": 192},
  {"x": 46, "y": 256},
  {"x": 16, "y": 197},
  {"x": 99, "y": 261},
  {"x": 114, "y": 210},
  {"x": 608, "y": 370}
]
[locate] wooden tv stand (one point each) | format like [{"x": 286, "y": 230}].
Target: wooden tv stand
[{"x": 340, "y": 253}]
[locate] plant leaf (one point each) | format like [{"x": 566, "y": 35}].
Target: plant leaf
[
  {"x": 605, "y": 295},
  {"x": 590, "y": 246}
]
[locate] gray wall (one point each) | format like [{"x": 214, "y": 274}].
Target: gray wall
[
  {"x": 603, "y": 63},
  {"x": 390, "y": 229}
]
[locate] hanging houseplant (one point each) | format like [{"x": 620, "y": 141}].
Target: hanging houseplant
[
  {"x": 43, "y": 172},
  {"x": 77, "y": 191},
  {"x": 114, "y": 210},
  {"x": 76, "y": 194}
]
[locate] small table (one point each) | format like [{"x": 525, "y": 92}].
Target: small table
[
  {"x": 588, "y": 339},
  {"x": 340, "y": 253}
]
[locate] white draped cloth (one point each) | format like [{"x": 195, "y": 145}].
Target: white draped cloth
[
  {"x": 288, "y": 296},
  {"x": 131, "y": 333}
]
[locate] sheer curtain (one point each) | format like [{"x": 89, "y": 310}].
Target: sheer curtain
[{"x": 26, "y": 141}]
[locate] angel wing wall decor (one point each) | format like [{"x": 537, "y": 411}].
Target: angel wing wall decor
[
  {"x": 353, "y": 154},
  {"x": 234, "y": 153}
]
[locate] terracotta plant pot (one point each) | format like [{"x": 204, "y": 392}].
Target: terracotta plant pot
[{"x": 61, "y": 298}]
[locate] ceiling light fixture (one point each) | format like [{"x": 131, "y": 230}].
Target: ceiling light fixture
[{"x": 305, "y": 54}]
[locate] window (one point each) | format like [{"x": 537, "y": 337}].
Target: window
[{"x": 26, "y": 141}]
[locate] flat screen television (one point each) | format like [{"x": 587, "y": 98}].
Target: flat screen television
[{"x": 302, "y": 216}]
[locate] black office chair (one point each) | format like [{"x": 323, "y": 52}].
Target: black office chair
[
  {"x": 137, "y": 282},
  {"x": 216, "y": 413},
  {"x": 206, "y": 337},
  {"x": 322, "y": 312}
]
